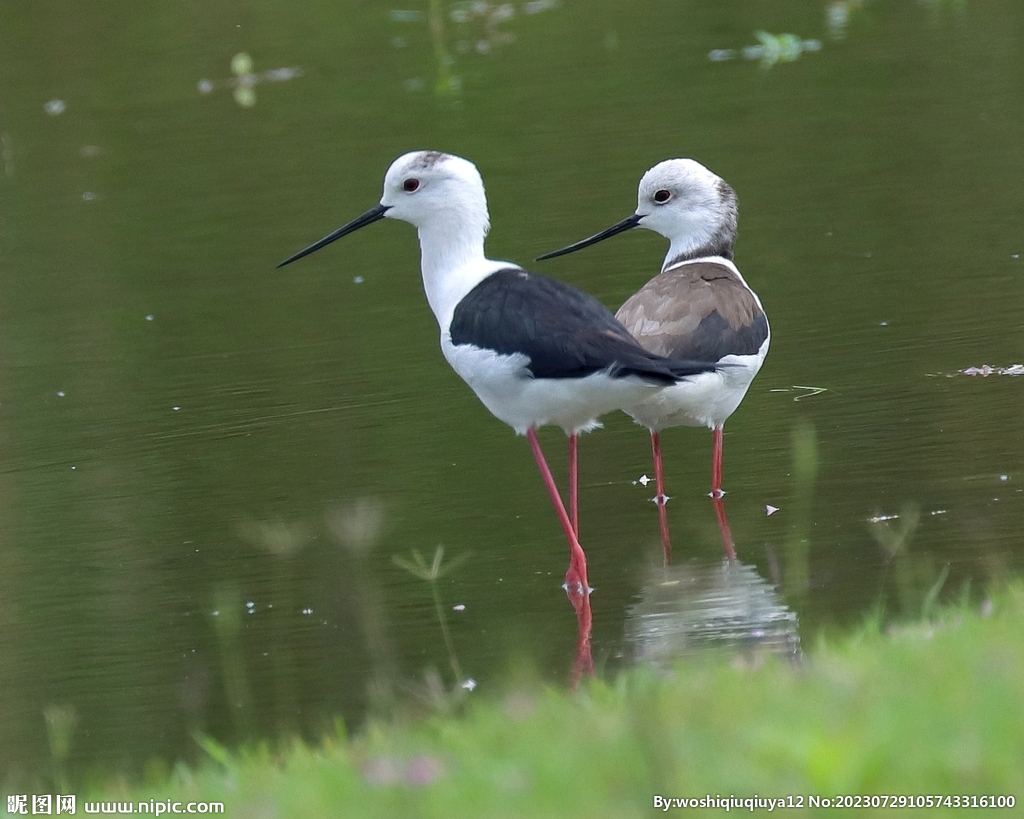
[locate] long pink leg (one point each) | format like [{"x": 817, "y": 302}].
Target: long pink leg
[
  {"x": 723, "y": 527},
  {"x": 717, "y": 495},
  {"x": 661, "y": 499},
  {"x": 577, "y": 587},
  {"x": 574, "y": 485},
  {"x": 716, "y": 464}
]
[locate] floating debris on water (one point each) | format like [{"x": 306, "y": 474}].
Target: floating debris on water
[
  {"x": 244, "y": 80},
  {"x": 55, "y": 107},
  {"x": 884, "y": 518},
  {"x": 281, "y": 74},
  {"x": 810, "y": 391},
  {"x": 985, "y": 369},
  {"x": 769, "y": 50},
  {"x": 770, "y": 510}
]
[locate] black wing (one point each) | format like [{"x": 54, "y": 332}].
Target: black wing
[
  {"x": 565, "y": 332},
  {"x": 715, "y": 338}
]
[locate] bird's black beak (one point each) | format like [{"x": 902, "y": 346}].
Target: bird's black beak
[
  {"x": 618, "y": 227},
  {"x": 368, "y": 218}
]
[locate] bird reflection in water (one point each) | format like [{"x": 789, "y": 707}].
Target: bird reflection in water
[
  {"x": 724, "y": 608},
  {"x": 583, "y": 663}
]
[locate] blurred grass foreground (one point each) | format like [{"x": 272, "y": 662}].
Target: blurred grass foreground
[{"x": 934, "y": 708}]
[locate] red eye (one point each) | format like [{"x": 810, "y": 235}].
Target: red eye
[
  {"x": 410, "y": 185},
  {"x": 662, "y": 196}
]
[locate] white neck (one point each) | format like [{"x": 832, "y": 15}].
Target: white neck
[
  {"x": 689, "y": 243},
  {"x": 453, "y": 263}
]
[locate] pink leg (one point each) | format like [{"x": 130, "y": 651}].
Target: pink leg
[
  {"x": 577, "y": 587},
  {"x": 716, "y": 465},
  {"x": 661, "y": 499},
  {"x": 723, "y": 527},
  {"x": 574, "y": 485}
]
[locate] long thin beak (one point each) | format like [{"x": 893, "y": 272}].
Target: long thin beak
[
  {"x": 368, "y": 218},
  {"x": 618, "y": 227}
]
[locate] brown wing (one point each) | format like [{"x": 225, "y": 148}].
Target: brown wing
[{"x": 701, "y": 311}]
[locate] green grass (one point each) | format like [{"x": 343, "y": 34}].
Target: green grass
[{"x": 930, "y": 708}]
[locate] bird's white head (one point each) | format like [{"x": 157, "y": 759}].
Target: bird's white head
[
  {"x": 684, "y": 202},
  {"x": 443, "y": 196},
  {"x": 690, "y": 206},
  {"x": 430, "y": 189}
]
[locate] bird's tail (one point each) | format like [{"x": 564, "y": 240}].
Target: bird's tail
[{"x": 663, "y": 371}]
